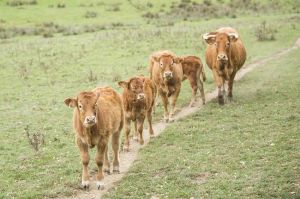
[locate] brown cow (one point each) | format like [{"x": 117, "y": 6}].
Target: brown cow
[
  {"x": 98, "y": 114},
  {"x": 138, "y": 100},
  {"x": 166, "y": 73},
  {"x": 225, "y": 55},
  {"x": 193, "y": 70}
]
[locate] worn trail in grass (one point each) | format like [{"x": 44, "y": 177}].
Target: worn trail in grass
[
  {"x": 247, "y": 149},
  {"x": 127, "y": 158}
]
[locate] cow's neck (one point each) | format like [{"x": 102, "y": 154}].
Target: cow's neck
[{"x": 88, "y": 134}]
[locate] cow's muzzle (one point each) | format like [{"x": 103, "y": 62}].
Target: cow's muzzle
[
  {"x": 168, "y": 74},
  {"x": 222, "y": 57},
  {"x": 90, "y": 121},
  {"x": 140, "y": 96}
]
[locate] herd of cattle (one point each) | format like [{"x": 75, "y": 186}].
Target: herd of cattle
[{"x": 102, "y": 113}]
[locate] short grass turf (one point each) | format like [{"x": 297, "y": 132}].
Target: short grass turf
[{"x": 248, "y": 148}]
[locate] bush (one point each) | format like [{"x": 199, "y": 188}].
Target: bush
[
  {"x": 265, "y": 32},
  {"x": 61, "y": 5},
  {"x": 90, "y": 14},
  {"x": 15, "y": 3}
]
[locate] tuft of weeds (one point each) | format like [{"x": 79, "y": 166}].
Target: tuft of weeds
[
  {"x": 90, "y": 14},
  {"x": 265, "y": 32},
  {"x": 92, "y": 76},
  {"x": 61, "y": 5},
  {"x": 116, "y": 77},
  {"x": 36, "y": 140},
  {"x": 150, "y": 15},
  {"x": 114, "y": 8},
  {"x": 15, "y": 3},
  {"x": 23, "y": 72}
]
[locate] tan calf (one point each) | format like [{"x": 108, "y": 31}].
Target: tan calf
[
  {"x": 193, "y": 70},
  {"x": 166, "y": 73},
  {"x": 97, "y": 115},
  {"x": 138, "y": 100}
]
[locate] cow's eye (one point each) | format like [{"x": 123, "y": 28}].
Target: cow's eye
[
  {"x": 80, "y": 106},
  {"x": 227, "y": 43},
  {"x": 215, "y": 44},
  {"x": 161, "y": 65}
]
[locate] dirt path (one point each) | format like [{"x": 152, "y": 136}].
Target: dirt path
[{"x": 127, "y": 158}]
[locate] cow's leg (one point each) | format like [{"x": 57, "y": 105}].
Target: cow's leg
[
  {"x": 165, "y": 104},
  {"x": 219, "y": 82},
  {"x": 173, "y": 104},
  {"x": 127, "y": 132},
  {"x": 140, "y": 123},
  {"x": 136, "y": 133},
  {"x": 149, "y": 118},
  {"x": 193, "y": 83},
  {"x": 115, "y": 146},
  {"x": 101, "y": 149},
  {"x": 106, "y": 161},
  {"x": 230, "y": 85},
  {"x": 85, "y": 158}
]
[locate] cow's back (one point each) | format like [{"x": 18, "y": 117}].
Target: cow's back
[
  {"x": 190, "y": 64},
  {"x": 110, "y": 109}
]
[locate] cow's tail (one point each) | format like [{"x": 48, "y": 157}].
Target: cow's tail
[{"x": 201, "y": 77}]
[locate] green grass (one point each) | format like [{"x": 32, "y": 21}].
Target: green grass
[
  {"x": 38, "y": 73},
  {"x": 246, "y": 149}
]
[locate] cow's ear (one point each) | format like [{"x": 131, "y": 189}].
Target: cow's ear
[
  {"x": 70, "y": 102},
  {"x": 210, "y": 38},
  {"x": 178, "y": 60},
  {"x": 123, "y": 84},
  {"x": 233, "y": 37},
  {"x": 156, "y": 58}
]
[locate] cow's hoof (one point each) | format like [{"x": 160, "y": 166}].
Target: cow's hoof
[
  {"x": 192, "y": 104},
  {"x": 100, "y": 185},
  {"x": 141, "y": 141},
  {"x": 107, "y": 171},
  {"x": 135, "y": 138},
  {"x": 116, "y": 170},
  {"x": 152, "y": 136},
  {"x": 166, "y": 119},
  {"x": 221, "y": 100},
  {"x": 171, "y": 119},
  {"x": 126, "y": 148},
  {"x": 85, "y": 185}
]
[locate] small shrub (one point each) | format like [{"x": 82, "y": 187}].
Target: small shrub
[
  {"x": 15, "y": 3},
  {"x": 61, "y": 5},
  {"x": 90, "y": 14},
  {"x": 91, "y": 76},
  {"x": 150, "y": 5},
  {"x": 117, "y": 24},
  {"x": 116, "y": 77},
  {"x": 36, "y": 140},
  {"x": 150, "y": 15},
  {"x": 265, "y": 32},
  {"x": 23, "y": 72}
]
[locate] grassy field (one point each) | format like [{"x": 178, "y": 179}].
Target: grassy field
[
  {"x": 246, "y": 149},
  {"x": 38, "y": 73}
]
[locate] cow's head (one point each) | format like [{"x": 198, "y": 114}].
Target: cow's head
[
  {"x": 222, "y": 41},
  {"x": 86, "y": 105},
  {"x": 135, "y": 87},
  {"x": 166, "y": 64}
]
